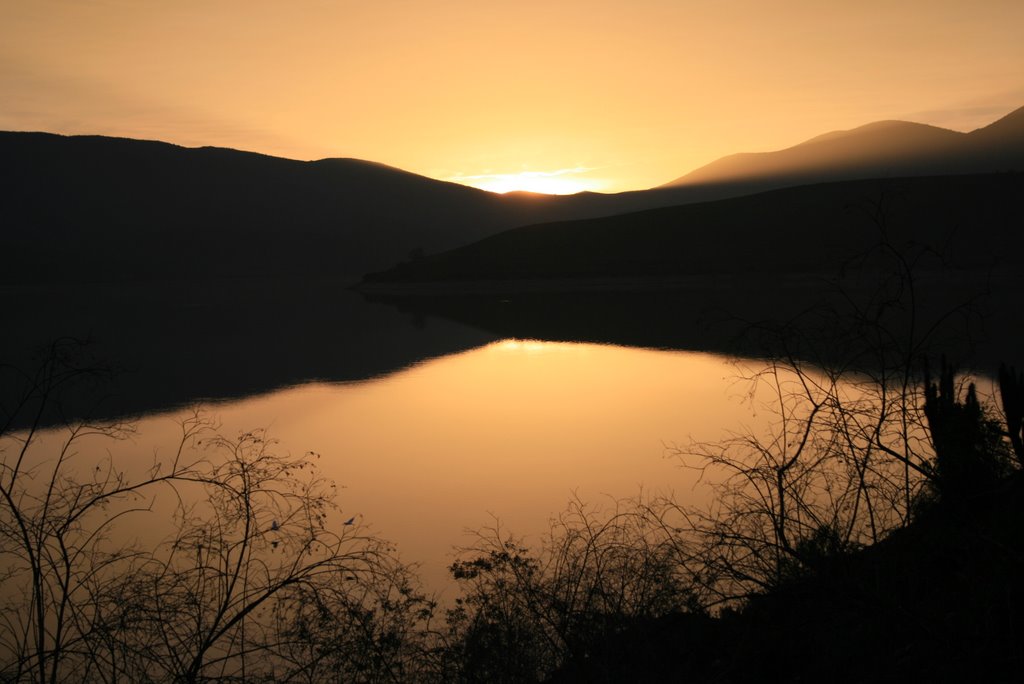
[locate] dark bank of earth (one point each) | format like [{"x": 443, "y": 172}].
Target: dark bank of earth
[
  {"x": 695, "y": 276},
  {"x": 941, "y": 600}
]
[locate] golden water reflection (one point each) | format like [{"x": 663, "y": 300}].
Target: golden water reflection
[{"x": 511, "y": 429}]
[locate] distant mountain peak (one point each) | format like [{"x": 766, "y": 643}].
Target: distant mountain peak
[
  {"x": 875, "y": 128},
  {"x": 879, "y": 149}
]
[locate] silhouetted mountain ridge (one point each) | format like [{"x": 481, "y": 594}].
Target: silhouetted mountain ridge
[
  {"x": 96, "y": 208},
  {"x": 114, "y": 209}
]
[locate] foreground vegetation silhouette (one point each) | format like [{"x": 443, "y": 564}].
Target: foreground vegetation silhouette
[
  {"x": 874, "y": 531},
  {"x": 224, "y": 559}
]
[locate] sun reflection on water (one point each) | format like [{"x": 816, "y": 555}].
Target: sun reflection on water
[{"x": 513, "y": 429}]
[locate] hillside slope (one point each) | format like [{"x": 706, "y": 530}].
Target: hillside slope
[{"x": 939, "y": 601}]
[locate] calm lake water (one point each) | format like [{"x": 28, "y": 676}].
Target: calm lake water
[
  {"x": 510, "y": 430},
  {"x": 432, "y": 428}
]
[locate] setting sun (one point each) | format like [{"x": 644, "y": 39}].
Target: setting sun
[{"x": 559, "y": 182}]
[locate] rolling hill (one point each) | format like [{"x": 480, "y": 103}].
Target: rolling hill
[
  {"x": 91, "y": 208},
  {"x": 883, "y": 149}
]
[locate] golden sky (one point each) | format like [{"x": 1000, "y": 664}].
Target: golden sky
[{"x": 564, "y": 95}]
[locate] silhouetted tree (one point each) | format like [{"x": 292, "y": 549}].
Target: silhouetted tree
[
  {"x": 1011, "y": 392},
  {"x": 970, "y": 454}
]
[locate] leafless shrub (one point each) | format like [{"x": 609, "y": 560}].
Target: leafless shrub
[
  {"x": 525, "y": 614},
  {"x": 247, "y": 573}
]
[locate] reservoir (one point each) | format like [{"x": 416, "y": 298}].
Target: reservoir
[{"x": 431, "y": 429}]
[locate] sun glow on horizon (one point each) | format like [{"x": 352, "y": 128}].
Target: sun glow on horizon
[
  {"x": 558, "y": 182},
  {"x": 473, "y": 90}
]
